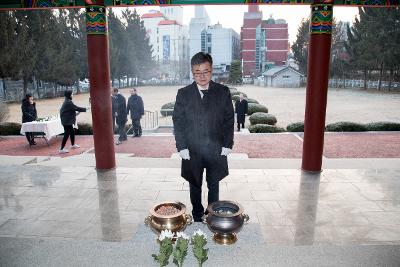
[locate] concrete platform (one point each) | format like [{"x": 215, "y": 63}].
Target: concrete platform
[{"x": 248, "y": 251}]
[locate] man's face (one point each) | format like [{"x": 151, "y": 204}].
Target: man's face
[
  {"x": 115, "y": 92},
  {"x": 202, "y": 73},
  {"x": 133, "y": 92},
  {"x": 241, "y": 96}
]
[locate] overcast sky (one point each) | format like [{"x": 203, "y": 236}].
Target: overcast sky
[{"x": 231, "y": 16}]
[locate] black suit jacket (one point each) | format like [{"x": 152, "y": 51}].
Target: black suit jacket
[{"x": 200, "y": 124}]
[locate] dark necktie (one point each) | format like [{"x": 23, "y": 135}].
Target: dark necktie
[{"x": 204, "y": 92}]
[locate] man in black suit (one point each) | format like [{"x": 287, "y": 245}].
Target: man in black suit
[
  {"x": 118, "y": 104},
  {"x": 241, "y": 109},
  {"x": 203, "y": 124}
]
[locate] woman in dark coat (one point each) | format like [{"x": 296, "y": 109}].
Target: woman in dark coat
[
  {"x": 241, "y": 109},
  {"x": 68, "y": 113},
  {"x": 29, "y": 113}
]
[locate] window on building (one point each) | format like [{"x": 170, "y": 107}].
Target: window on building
[
  {"x": 286, "y": 76},
  {"x": 203, "y": 41},
  {"x": 208, "y": 38},
  {"x": 209, "y": 50},
  {"x": 157, "y": 39},
  {"x": 157, "y": 30}
]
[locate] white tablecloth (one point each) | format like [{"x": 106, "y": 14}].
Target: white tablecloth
[{"x": 49, "y": 128}]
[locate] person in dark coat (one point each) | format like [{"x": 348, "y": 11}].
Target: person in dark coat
[
  {"x": 136, "y": 108},
  {"x": 119, "y": 114},
  {"x": 29, "y": 113},
  {"x": 203, "y": 120},
  {"x": 68, "y": 114},
  {"x": 241, "y": 108}
]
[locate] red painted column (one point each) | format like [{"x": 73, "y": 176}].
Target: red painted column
[
  {"x": 317, "y": 85},
  {"x": 99, "y": 76}
]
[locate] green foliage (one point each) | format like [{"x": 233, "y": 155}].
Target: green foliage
[
  {"x": 180, "y": 251},
  {"x": 251, "y": 100},
  {"x": 295, "y": 127},
  {"x": 253, "y": 108},
  {"x": 262, "y": 118},
  {"x": 164, "y": 253},
  {"x": 235, "y": 74},
  {"x": 10, "y": 128},
  {"x": 383, "y": 126},
  {"x": 235, "y": 98},
  {"x": 233, "y": 91},
  {"x": 84, "y": 129},
  {"x": 169, "y": 105},
  {"x": 300, "y": 46},
  {"x": 236, "y": 95},
  {"x": 200, "y": 253},
  {"x": 52, "y": 47},
  {"x": 373, "y": 42},
  {"x": 345, "y": 126},
  {"x": 265, "y": 128}
]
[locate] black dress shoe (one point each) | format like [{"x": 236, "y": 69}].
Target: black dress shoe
[{"x": 33, "y": 143}]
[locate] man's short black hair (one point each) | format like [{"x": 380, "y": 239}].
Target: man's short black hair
[
  {"x": 201, "y": 58},
  {"x": 115, "y": 90}
]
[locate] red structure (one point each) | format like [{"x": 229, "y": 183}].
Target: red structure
[
  {"x": 263, "y": 42},
  {"x": 317, "y": 86},
  {"x": 100, "y": 91}
]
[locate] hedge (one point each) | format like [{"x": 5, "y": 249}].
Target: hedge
[
  {"x": 10, "y": 128},
  {"x": 169, "y": 105},
  {"x": 383, "y": 126},
  {"x": 262, "y": 118},
  {"x": 345, "y": 126},
  {"x": 253, "y": 108},
  {"x": 233, "y": 91},
  {"x": 265, "y": 128},
  {"x": 84, "y": 129},
  {"x": 295, "y": 127},
  {"x": 251, "y": 100}
]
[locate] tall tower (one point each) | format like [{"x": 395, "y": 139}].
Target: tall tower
[{"x": 198, "y": 24}]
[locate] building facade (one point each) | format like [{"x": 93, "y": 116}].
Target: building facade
[
  {"x": 221, "y": 43},
  {"x": 169, "y": 39},
  {"x": 264, "y": 43}
]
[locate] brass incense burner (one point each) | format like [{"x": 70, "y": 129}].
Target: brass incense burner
[
  {"x": 175, "y": 222},
  {"x": 225, "y": 219}
]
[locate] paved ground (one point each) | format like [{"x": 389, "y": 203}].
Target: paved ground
[
  {"x": 55, "y": 215},
  {"x": 287, "y": 104},
  {"x": 287, "y": 145}
]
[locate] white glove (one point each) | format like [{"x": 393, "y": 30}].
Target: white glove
[
  {"x": 225, "y": 151},
  {"x": 184, "y": 154}
]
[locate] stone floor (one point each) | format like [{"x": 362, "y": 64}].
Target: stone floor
[{"x": 337, "y": 206}]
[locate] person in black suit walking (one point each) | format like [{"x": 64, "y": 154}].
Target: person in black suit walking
[
  {"x": 119, "y": 116},
  {"x": 68, "y": 112},
  {"x": 203, "y": 120},
  {"x": 136, "y": 108},
  {"x": 241, "y": 108}
]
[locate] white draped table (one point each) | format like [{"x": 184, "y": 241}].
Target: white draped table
[{"x": 48, "y": 128}]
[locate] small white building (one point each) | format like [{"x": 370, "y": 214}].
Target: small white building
[{"x": 282, "y": 76}]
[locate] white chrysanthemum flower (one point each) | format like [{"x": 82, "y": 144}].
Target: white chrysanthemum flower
[
  {"x": 200, "y": 233},
  {"x": 165, "y": 234},
  {"x": 162, "y": 236},
  {"x": 183, "y": 235}
]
